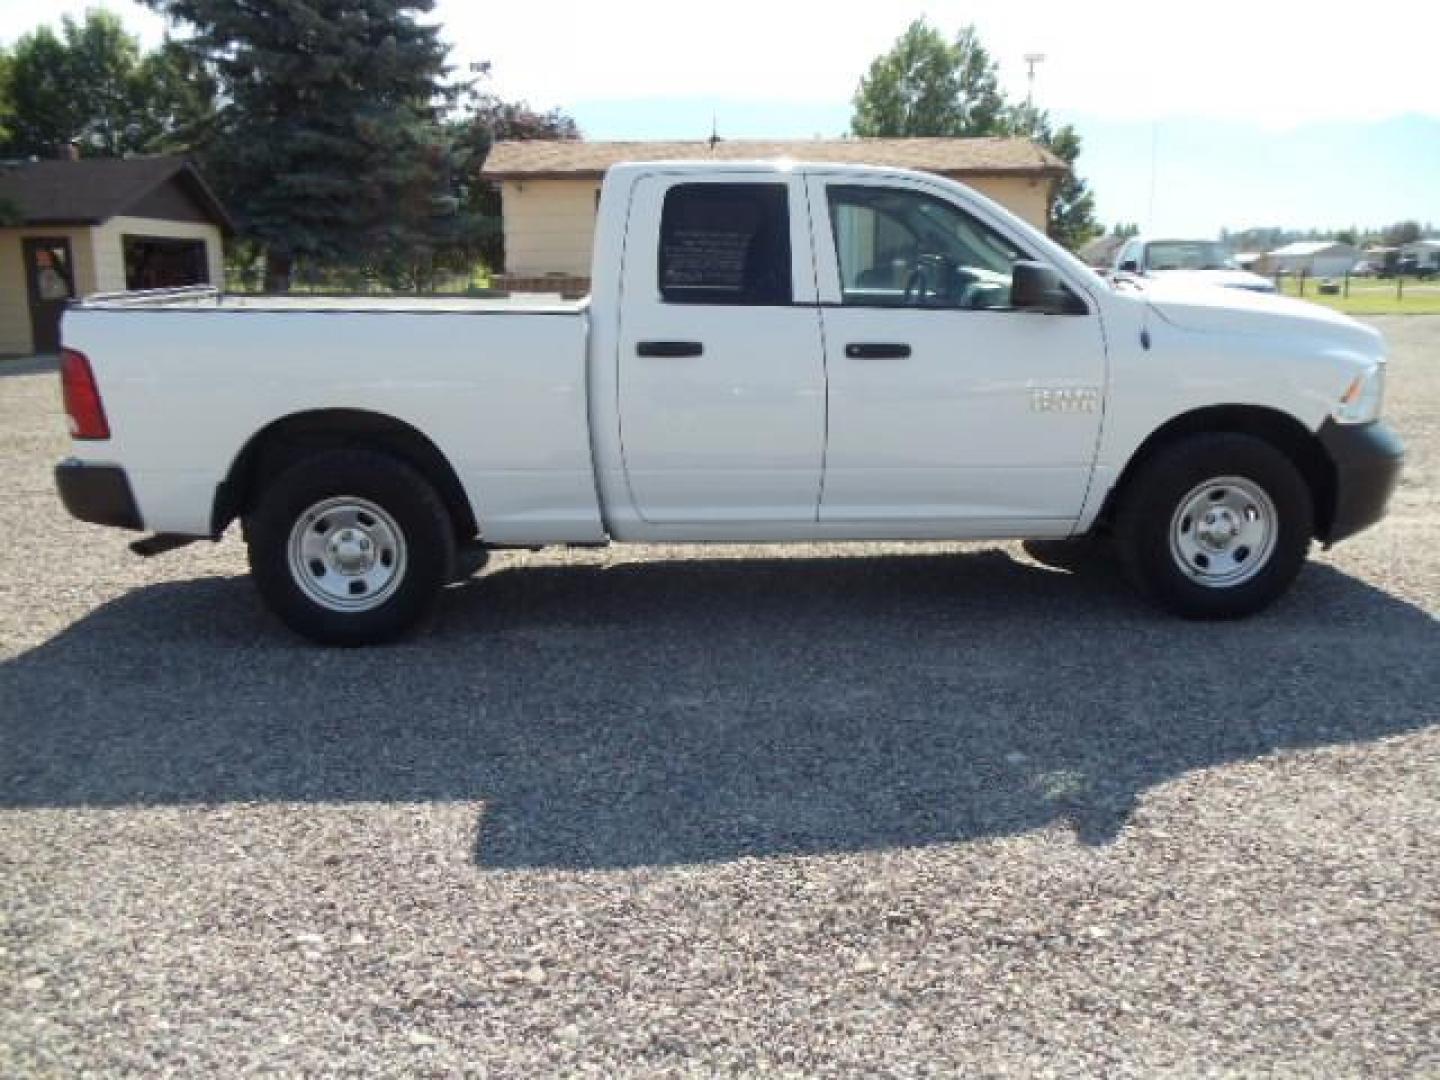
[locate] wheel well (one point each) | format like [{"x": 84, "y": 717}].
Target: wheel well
[
  {"x": 279, "y": 444},
  {"x": 1279, "y": 429}
]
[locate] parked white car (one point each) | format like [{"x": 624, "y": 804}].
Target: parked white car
[
  {"x": 1201, "y": 262},
  {"x": 772, "y": 352}
]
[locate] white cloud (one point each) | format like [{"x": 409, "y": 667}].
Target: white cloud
[
  {"x": 18, "y": 17},
  {"x": 1261, "y": 60},
  {"x": 1274, "y": 62}
]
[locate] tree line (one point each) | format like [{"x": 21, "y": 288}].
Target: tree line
[
  {"x": 334, "y": 131},
  {"x": 347, "y": 148},
  {"x": 1268, "y": 239}
]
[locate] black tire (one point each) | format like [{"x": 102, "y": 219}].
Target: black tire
[
  {"x": 1153, "y": 535},
  {"x": 411, "y": 528}
]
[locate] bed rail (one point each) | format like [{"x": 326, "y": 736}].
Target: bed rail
[{"x": 141, "y": 297}]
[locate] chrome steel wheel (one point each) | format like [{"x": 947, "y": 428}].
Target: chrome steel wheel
[
  {"x": 347, "y": 554},
  {"x": 1224, "y": 531}
]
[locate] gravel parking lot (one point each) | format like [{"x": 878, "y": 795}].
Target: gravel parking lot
[{"x": 806, "y": 810}]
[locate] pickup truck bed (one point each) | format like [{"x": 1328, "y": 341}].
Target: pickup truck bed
[{"x": 496, "y": 386}]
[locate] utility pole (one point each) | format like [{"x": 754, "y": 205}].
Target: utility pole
[
  {"x": 1031, "y": 60},
  {"x": 1154, "y": 162}
]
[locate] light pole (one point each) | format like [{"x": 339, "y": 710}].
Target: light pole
[{"x": 1031, "y": 60}]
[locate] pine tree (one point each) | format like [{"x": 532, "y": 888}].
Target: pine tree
[{"x": 326, "y": 144}]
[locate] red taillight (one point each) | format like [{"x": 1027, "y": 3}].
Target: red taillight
[{"x": 82, "y": 397}]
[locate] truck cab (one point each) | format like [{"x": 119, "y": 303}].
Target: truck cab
[{"x": 839, "y": 353}]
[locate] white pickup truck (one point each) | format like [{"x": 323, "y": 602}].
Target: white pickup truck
[{"x": 773, "y": 351}]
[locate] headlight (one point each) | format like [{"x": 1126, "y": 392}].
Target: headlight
[{"x": 1362, "y": 398}]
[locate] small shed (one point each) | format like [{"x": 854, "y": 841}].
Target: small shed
[
  {"x": 1313, "y": 258},
  {"x": 74, "y": 227},
  {"x": 550, "y": 190}
]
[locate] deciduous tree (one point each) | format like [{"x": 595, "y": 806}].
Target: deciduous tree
[
  {"x": 91, "y": 85},
  {"x": 926, "y": 85},
  {"x": 45, "y": 110},
  {"x": 7, "y": 106},
  {"x": 488, "y": 120},
  {"x": 1402, "y": 232}
]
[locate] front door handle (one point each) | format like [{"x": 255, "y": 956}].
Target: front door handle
[
  {"x": 876, "y": 350},
  {"x": 669, "y": 348}
]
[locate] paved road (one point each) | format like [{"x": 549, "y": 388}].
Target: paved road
[{"x": 813, "y": 810}]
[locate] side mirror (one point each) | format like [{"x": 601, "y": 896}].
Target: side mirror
[
  {"x": 1036, "y": 287},
  {"x": 1129, "y": 266}
]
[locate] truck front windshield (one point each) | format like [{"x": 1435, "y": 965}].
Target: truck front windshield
[{"x": 1187, "y": 255}]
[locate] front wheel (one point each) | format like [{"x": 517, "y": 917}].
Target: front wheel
[
  {"x": 350, "y": 547},
  {"x": 1215, "y": 526}
]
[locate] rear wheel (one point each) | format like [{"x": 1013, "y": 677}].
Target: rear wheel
[
  {"x": 350, "y": 547},
  {"x": 1215, "y": 526}
]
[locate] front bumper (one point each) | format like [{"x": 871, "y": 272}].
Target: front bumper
[
  {"x": 1367, "y": 459},
  {"x": 99, "y": 494}
]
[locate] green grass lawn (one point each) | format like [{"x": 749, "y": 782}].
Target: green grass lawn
[{"x": 1372, "y": 296}]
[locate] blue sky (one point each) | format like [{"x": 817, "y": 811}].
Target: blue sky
[
  {"x": 1208, "y": 172},
  {"x": 1254, "y": 112}
]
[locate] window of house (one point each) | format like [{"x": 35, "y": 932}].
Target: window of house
[
  {"x": 902, "y": 248},
  {"x": 164, "y": 263},
  {"x": 725, "y": 244}
]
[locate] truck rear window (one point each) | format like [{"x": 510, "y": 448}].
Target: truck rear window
[{"x": 725, "y": 244}]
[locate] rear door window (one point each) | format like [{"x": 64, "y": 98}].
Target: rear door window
[{"x": 725, "y": 244}]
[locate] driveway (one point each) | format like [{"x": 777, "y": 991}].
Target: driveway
[{"x": 815, "y": 810}]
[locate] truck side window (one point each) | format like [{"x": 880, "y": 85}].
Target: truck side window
[
  {"x": 725, "y": 244},
  {"x": 903, "y": 248}
]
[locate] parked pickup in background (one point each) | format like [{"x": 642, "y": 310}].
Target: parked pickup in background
[
  {"x": 1198, "y": 262},
  {"x": 772, "y": 352}
]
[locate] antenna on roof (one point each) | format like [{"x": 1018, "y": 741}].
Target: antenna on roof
[{"x": 714, "y": 131}]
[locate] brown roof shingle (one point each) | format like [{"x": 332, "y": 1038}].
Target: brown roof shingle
[
  {"x": 579, "y": 159},
  {"x": 93, "y": 190}
]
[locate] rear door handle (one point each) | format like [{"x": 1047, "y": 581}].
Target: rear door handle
[
  {"x": 669, "y": 348},
  {"x": 876, "y": 350}
]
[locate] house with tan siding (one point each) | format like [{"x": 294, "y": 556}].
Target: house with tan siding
[
  {"x": 550, "y": 190},
  {"x": 100, "y": 225}
]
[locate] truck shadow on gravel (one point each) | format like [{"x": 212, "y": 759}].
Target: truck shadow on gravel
[{"x": 698, "y": 710}]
